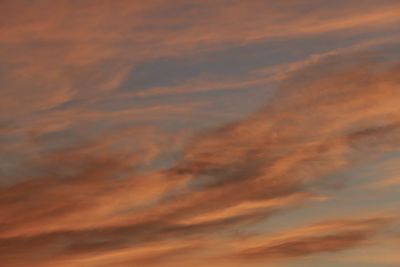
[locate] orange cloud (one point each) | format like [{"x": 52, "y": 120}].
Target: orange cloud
[
  {"x": 88, "y": 202},
  {"x": 319, "y": 238},
  {"x": 55, "y": 51},
  {"x": 233, "y": 176}
]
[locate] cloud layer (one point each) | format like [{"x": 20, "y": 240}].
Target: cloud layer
[{"x": 95, "y": 174}]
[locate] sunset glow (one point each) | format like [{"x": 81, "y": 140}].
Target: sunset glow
[{"x": 177, "y": 133}]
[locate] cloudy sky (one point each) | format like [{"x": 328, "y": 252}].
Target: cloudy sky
[{"x": 204, "y": 133}]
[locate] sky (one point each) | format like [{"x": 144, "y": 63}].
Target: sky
[{"x": 204, "y": 133}]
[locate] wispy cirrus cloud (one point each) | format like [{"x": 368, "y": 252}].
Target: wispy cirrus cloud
[
  {"x": 340, "y": 108},
  {"x": 57, "y": 49},
  {"x": 94, "y": 174},
  {"x": 319, "y": 238}
]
